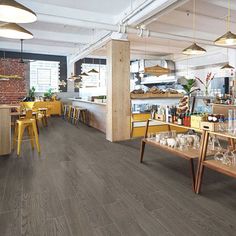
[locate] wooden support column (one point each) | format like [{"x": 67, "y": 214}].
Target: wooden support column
[
  {"x": 5, "y": 130},
  {"x": 118, "y": 91}
]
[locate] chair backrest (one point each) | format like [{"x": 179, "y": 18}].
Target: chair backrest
[{"x": 29, "y": 114}]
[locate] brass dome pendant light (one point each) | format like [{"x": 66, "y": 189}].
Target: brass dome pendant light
[
  {"x": 14, "y": 31},
  {"x": 83, "y": 73},
  {"x": 12, "y": 11},
  {"x": 93, "y": 71},
  {"x": 228, "y": 39},
  {"x": 194, "y": 49},
  {"x": 227, "y": 65}
]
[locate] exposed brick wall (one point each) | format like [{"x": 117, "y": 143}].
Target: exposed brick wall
[{"x": 13, "y": 90}]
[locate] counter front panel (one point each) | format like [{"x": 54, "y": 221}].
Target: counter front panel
[{"x": 97, "y": 113}]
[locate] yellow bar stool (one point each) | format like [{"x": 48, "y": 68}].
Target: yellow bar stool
[
  {"x": 72, "y": 114},
  {"x": 81, "y": 115},
  {"x": 20, "y": 127},
  {"x": 65, "y": 110},
  {"x": 69, "y": 112}
]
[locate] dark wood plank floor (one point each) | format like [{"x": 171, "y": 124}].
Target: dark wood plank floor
[{"x": 83, "y": 185}]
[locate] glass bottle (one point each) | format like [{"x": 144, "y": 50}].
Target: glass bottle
[{"x": 230, "y": 121}]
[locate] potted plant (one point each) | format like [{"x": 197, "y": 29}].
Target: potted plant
[
  {"x": 32, "y": 94},
  {"x": 48, "y": 95},
  {"x": 188, "y": 85}
]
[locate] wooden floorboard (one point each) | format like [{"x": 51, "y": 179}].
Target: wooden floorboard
[{"x": 83, "y": 185}]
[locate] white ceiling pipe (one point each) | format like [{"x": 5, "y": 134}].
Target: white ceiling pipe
[
  {"x": 137, "y": 10},
  {"x": 101, "y": 42},
  {"x": 112, "y": 28},
  {"x": 89, "y": 49}
]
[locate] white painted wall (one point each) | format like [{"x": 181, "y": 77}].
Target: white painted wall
[{"x": 186, "y": 67}]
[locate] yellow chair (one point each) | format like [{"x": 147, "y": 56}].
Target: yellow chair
[
  {"x": 30, "y": 124},
  {"x": 20, "y": 127}
]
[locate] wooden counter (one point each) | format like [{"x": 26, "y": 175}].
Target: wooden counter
[
  {"x": 5, "y": 129},
  {"x": 97, "y": 112}
]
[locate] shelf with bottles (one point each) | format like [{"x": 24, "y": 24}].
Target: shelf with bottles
[{"x": 224, "y": 161}]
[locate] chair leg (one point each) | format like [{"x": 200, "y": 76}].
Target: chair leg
[
  {"x": 36, "y": 137},
  {"x": 30, "y": 132},
  {"x": 21, "y": 129},
  {"x": 15, "y": 136},
  {"x": 79, "y": 117}
]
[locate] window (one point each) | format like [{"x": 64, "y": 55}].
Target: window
[{"x": 44, "y": 75}]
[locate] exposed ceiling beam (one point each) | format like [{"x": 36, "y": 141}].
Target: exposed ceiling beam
[
  {"x": 38, "y": 48},
  {"x": 150, "y": 8},
  {"x": 45, "y": 9},
  {"x": 221, "y": 3}
]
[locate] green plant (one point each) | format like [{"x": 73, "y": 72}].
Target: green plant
[
  {"x": 189, "y": 84},
  {"x": 32, "y": 92},
  {"x": 48, "y": 94}
]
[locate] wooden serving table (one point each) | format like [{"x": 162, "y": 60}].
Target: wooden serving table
[
  {"x": 189, "y": 154},
  {"x": 213, "y": 164}
]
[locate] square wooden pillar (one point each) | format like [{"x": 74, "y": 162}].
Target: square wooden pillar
[{"x": 118, "y": 91}]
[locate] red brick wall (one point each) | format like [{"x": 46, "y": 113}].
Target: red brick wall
[{"x": 13, "y": 90}]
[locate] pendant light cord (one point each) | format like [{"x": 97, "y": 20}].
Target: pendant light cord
[
  {"x": 194, "y": 21},
  {"x": 229, "y": 15}
]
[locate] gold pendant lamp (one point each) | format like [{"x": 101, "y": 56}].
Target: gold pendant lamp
[
  {"x": 12, "y": 11},
  {"x": 229, "y": 38},
  {"x": 194, "y": 49},
  {"x": 14, "y": 31},
  {"x": 84, "y": 73},
  {"x": 227, "y": 65},
  {"x": 93, "y": 71}
]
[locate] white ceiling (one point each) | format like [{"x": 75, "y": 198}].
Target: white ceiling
[
  {"x": 66, "y": 27},
  {"x": 108, "y": 7}
]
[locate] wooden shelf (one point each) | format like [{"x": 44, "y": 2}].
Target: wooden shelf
[
  {"x": 152, "y": 95},
  {"x": 223, "y": 134},
  {"x": 218, "y": 166},
  {"x": 190, "y": 153},
  {"x": 178, "y": 126}
]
